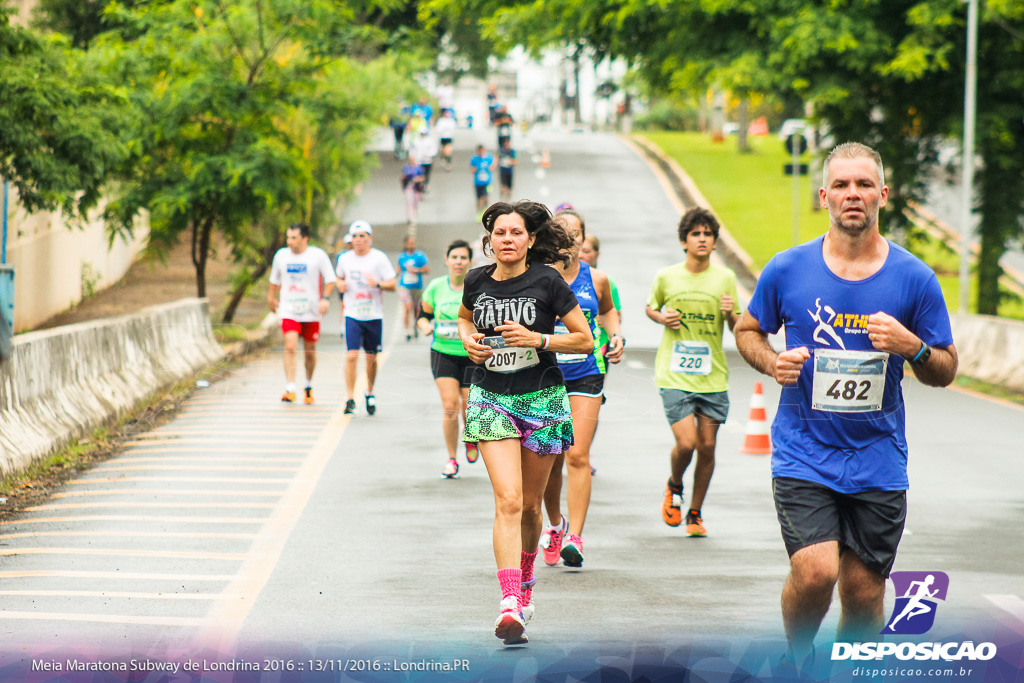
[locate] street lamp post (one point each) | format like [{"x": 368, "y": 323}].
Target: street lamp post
[{"x": 967, "y": 172}]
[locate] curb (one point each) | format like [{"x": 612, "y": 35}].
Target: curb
[{"x": 729, "y": 249}]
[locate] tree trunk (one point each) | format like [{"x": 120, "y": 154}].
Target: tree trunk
[
  {"x": 266, "y": 259},
  {"x": 201, "y": 233},
  {"x": 742, "y": 120},
  {"x": 576, "y": 81}
]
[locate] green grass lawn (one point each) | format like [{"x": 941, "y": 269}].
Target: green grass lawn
[
  {"x": 755, "y": 201},
  {"x": 748, "y": 191}
]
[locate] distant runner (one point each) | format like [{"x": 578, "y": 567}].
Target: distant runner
[
  {"x": 584, "y": 382},
  {"x": 362, "y": 274},
  {"x": 449, "y": 361},
  {"x": 302, "y": 277},
  {"x": 694, "y": 300},
  {"x": 412, "y": 266}
]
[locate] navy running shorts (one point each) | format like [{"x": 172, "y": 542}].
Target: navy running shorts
[{"x": 363, "y": 334}]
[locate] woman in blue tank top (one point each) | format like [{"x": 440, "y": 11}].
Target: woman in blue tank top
[{"x": 584, "y": 382}]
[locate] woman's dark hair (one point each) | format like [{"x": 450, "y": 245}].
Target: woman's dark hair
[
  {"x": 698, "y": 218},
  {"x": 576, "y": 214},
  {"x": 550, "y": 241},
  {"x": 459, "y": 244}
]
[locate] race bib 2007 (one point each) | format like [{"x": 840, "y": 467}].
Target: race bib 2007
[
  {"x": 507, "y": 358},
  {"x": 848, "y": 381},
  {"x": 691, "y": 358}
]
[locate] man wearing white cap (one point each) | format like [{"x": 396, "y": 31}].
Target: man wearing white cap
[{"x": 363, "y": 273}]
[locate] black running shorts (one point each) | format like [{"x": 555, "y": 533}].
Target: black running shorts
[
  {"x": 591, "y": 385},
  {"x": 459, "y": 368},
  {"x": 869, "y": 523}
]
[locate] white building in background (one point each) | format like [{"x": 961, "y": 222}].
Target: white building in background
[{"x": 532, "y": 89}]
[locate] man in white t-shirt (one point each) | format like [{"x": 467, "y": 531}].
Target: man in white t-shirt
[
  {"x": 446, "y": 134},
  {"x": 301, "y": 279},
  {"x": 363, "y": 273}
]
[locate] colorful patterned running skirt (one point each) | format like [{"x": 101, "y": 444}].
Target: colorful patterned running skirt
[{"x": 541, "y": 420}]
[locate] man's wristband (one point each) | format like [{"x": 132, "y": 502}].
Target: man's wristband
[
  {"x": 922, "y": 356},
  {"x": 544, "y": 341}
]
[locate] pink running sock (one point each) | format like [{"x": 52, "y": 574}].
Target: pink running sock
[
  {"x": 527, "y": 565},
  {"x": 510, "y": 580}
]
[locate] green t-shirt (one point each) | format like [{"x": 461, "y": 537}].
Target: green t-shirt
[
  {"x": 602, "y": 335},
  {"x": 445, "y": 301},
  {"x": 691, "y": 357}
]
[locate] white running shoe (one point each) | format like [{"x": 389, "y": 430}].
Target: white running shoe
[{"x": 510, "y": 626}]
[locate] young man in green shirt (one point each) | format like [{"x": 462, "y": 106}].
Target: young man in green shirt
[{"x": 693, "y": 300}]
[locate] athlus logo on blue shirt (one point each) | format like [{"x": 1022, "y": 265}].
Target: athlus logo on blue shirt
[{"x": 917, "y": 599}]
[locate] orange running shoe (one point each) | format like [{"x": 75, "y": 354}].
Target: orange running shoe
[
  {"x": 694, "y": 524},
  {"x": 671, "y": 508},
  {"x": 309, "y": 395},
  {"x": 288, "y": 397}
]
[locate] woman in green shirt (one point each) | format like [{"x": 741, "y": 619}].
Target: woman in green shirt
[{"x": 439, "y": 316}]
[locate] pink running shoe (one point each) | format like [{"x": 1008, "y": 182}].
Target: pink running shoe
[
  {"x": 472, "y": 453},
  {"x": 551, "y": 542},
  {"x": 451, "y": 469},
  {"x": 572, "y": 551},
  {"x": 510, "y": 626}
]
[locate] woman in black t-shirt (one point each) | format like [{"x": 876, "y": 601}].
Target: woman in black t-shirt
[{"x": 518, "y": 411}]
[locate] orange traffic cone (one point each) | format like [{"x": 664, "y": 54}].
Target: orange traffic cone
[
  {"x": 757, "y": 441},
  {"x": 545, "y": 158}
]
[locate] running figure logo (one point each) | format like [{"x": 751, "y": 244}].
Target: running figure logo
[
  {"x": 917, "y": 593},
  {"x": 825, "y": 325}
]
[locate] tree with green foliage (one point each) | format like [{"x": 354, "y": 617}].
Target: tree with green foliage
[
  {"x": 250, "y": 114},
  {"x": 885, "y": 72},
  {"x": 58, "y": 123}
]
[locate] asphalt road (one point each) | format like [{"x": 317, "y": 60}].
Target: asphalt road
[{"x": 251, "y": 531}]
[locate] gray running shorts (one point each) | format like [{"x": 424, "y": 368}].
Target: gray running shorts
[{"x": 680, "y": 404}]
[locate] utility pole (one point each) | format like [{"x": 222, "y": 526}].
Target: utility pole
[{"x": 967, "y": 172}]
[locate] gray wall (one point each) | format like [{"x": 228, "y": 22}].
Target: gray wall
[{"x": 61, "y": 383}]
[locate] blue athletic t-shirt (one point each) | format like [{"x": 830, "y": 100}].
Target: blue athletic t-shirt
[
  {"x": 416, "y": 259},
  {"x": 848, "y": 452},
  {"x": 579, "y": 365},
  {"x": 482, "y": 175}
]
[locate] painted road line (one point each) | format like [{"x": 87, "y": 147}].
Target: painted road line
[
  {"x": 224, "y": 622},
  {"x": 129, "y": 532},
  {"x": 122, "y": 552},
  {"x": 111, "y": 594},
  {"x": 132, "y": 576},
  {"x": 166, "y": 492},
  {"x": 214, "y": 440},
  {"x": 204, "y": 468},
  {"x": 228, "y": 433},
  {"x": 139, "y": 518},
  {"x": 198, "y": 458},
  {"x": 194, "y": 480},
  {"x": 103, "y": 618},
  {"x": 143, "y": 504},
  {"x": 211, "y": 452}
]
